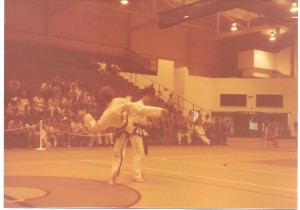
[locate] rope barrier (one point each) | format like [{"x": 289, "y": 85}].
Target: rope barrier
[
  {"x": 42, "y": 134},
  {"x": 75, "y": 134},
  {"x": 23, "y": 128}
]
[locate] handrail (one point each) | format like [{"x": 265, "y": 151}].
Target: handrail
[
  {"x": 136, "y": 81},
  {"x": 139, "y": 82},
  {"x": 184, "y": 99}
]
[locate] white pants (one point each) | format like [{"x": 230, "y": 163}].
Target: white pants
[
  {"x": 139, "y": 154},
  {"x": 187, "y": 135},
  {"x": 119, "y": 154},
  {"x": 204, "y": 139}
]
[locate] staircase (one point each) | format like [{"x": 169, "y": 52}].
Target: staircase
[
  {"x": 182, "y": 104},
  {"x": 94, "y": 80}
]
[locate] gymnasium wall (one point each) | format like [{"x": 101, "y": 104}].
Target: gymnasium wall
[
  {"x": 147, "y": 39},
  {"x": 205, "y": 92},
  {"x": 80, "y": 25}
]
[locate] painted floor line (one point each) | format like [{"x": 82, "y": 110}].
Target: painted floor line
[
  {"x": 227, "y": 166},
  {"x": 259, "y": 171},
  {"x": 185, "y": 174},
  {"x": 229, "y": 155},
  {"x": 219, "y": 179}
]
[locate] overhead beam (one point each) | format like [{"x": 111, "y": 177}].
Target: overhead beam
[
  {"x": 198, "y": 9},
  {"x": 233, "y": 20}
]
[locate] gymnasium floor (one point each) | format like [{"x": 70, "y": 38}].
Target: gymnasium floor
[{"x": 239, "y": 175}]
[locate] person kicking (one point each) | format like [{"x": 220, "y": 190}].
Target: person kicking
[{"x": 123, "y": 115}]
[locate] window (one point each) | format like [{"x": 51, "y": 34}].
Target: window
[
  {"x": 269, "y": 100},
  {"x": 233, "y": 100}
]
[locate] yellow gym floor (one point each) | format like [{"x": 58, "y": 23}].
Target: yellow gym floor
[{"x": 243, "y": 174}]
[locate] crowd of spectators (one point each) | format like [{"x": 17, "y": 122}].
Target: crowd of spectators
[
  {"x": 192, "y": 131},
  {"x": 56, "y": 104}
]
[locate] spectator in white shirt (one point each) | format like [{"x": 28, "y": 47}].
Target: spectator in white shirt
[
  {"x": 200, "y": 133},
  {"x": 38, "y": 103},
  {"x": 23, "y": 104}
]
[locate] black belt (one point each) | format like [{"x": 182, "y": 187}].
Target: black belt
[{"x": 145, "y": 143}]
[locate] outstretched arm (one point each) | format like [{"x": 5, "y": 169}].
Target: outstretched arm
[{"x": 150, "y": 111}]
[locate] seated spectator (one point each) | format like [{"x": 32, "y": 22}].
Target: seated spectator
[
  {"x": 25, "y": 88},
  {"x": 10, "y": 112},
  {"x": 228, "y": 127},
  {"x": 199, "y": 120},
  {"x": 185, "y": 131},
  {"x": 58, "y": 127},
  {"x": 171, "y": 103},
  {"x": 72, "y": 92},
  {"x": 207, "y": 120},
  {"x": 57, "y": 91},
  {"x": 210, "y": 129},
  {"x": 14, "y": 87},
  {"x": 200, "y": 133},
  {"x": 23, "y": 104},
  {"x": 15, "y": 138},
  {"x": 44, "y": 138},
  {"x": 33, "y": 134},
  {"x": 46, "y": 90},
  {"x": 78, "y": 128},
  {"x": 54, "y": 106},
  {"x": 102, "y": 69},
  {"x": 190, "y": 117},
  {"x": 66, "y": 137},
  {"x": 178, "y": 121},
  {"x": 38, "y": 103},
  {"x": 51, "y": 134},
  {"x": 155, "y": 129},
  {"x": 67, "y": 102},
  {"x": 160, "y": 99}
]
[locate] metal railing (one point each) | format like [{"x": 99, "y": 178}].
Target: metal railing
[{"x": 182, "y": 103}]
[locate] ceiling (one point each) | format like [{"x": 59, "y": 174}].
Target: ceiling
[{"x": 214, "y": 17}]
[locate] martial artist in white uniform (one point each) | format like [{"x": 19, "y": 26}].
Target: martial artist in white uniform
[
  {"x": 118, "y": 115},
  {"x": 140, "y": 123},
  {"x": 200, "y": 133}
]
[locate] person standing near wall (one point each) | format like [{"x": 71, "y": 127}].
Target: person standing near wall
[{"x": 221, "y": 137}]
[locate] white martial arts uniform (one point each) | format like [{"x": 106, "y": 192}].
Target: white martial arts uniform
[
  {"x": 139, "y": 120},
  {"x": 119, "y": 114},
  {"x": 200, "y": 133}
]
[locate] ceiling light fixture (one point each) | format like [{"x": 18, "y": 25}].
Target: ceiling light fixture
[
  {"x": 272, "y": 36},
  {"x": 234, "y": 27},
  {"x": 124, "y": 2},
  {"x": 294, "y": 7},
  {"x": 186, "y": 16}
]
